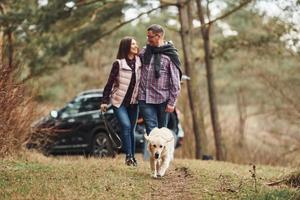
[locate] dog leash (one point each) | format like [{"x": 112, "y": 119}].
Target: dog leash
[{"x": 117, "y": 142}]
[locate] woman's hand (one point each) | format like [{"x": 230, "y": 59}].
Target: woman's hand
[{"x": 103, "y": 107}]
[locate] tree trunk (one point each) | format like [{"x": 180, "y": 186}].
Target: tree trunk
[
  {"x": 6, "y": 32},
  {"x": 1, "y": 40},
  {"x": 242, "y": 111},
  {"x": 1, "y": 49},
  {"x": 205, "y": 31},
  {"x": 193, "y": 85},
  {"x": 10, "y": 49}
]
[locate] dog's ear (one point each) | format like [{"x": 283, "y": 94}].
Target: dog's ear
[
  {"x": 170, "y": 140},
  {"x": 146, "y": 137}
]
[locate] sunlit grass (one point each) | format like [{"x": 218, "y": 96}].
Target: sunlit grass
[{"x": 34, "y": 176}]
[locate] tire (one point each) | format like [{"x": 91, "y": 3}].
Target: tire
[{"x": 101, "y": 146}]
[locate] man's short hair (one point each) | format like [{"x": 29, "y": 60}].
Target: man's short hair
[{"x": 155, "y": 28}]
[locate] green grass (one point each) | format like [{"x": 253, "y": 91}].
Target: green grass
[{"x": 37, "y": 177}]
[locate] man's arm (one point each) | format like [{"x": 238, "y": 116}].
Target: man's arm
[{"x": 174, "y": 86}]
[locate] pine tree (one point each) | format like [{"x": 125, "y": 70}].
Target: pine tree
[{"x": 48, "y": 36}]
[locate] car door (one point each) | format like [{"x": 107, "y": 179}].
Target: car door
[
  {"x": 68, "y": 126},
  {"x": 89, "y": 117}
]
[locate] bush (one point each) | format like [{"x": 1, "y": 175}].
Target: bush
[{"x": 17, "y": 112}]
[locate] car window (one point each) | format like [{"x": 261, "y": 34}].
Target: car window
[
  {"x": 90, "y": 104},
  {"x": 71, "y": 109},
  {"x": 81, "y": 105}
]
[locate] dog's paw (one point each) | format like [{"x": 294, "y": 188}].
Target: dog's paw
[
  {"x": 159, "y": 176},
  {"x": 153, "y": 176}
]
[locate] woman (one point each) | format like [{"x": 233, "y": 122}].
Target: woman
[{"x": 121, "y": 90}]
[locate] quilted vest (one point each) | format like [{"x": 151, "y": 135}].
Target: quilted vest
[{"x": 122, "y": 82}]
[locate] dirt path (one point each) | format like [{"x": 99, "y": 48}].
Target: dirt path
[{"x": 174, "y": 185}]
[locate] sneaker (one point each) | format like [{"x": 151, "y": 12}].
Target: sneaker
[
  {"x": 134, "y": 162},
  {"x": 129, "y": 161}
]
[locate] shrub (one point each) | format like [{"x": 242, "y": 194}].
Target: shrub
[{"x": 17, "y": 112}]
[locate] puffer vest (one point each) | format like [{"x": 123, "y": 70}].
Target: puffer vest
[{"x": 122, "y": 82}]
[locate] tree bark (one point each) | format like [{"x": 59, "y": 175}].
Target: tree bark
[
  {"x": 1, "y": 49},
  {"x": 10, "y": 49},
  {"x": 205, "y": 32},
  {"x": 194, "y": 94},
  {"x": 242, "y": 111},
  {"x": 1, "y": 40},
  {"x": 5, "y": 31}
]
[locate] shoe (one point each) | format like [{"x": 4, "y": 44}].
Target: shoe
[
  {"x": 134, "y": 162},
  {"x": 129, "y": 161}
]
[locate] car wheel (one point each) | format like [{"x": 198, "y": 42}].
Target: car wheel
[{"x": 101, "y": 146}]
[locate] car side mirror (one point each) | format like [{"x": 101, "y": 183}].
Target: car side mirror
[{"x": 54, "y": 114}]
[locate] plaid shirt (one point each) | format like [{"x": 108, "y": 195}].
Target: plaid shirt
[{"x": 158, "y": 90}]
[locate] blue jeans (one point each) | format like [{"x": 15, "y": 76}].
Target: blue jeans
[
  {"x": 127, "y": 117},
  {"x": 154, "y": 116}
]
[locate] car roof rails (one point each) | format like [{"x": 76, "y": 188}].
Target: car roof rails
[{"x": 91, "y": 91}]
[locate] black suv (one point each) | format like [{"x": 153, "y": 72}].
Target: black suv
[{"x": 80, "y": 127}]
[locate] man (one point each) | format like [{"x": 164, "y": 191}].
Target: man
[{"x": 160, "y": 79}]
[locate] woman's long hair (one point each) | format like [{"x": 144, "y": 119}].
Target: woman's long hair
[{"x": 124, "y": 47}]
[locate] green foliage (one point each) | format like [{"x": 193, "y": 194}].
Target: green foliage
[
  {"x": 253, "y": 35},
  {"x": 47, "y": 37},
  {"x": 257, "y": 50}
]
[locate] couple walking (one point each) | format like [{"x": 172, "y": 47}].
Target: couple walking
[{"x": 147, "y": 82}]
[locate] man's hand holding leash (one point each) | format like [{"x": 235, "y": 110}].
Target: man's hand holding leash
[{"x": 170, "y": 108}]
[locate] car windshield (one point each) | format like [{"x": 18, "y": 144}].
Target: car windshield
[
  {"x": 71, "y": 109},
  {"x": 90, "y": 104},
  {"x": 81, "y": 105}
]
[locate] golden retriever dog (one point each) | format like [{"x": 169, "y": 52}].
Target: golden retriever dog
[{"x": 161, "y": 146}]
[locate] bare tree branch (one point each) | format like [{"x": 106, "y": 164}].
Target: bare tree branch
[
  {"x": 244, "y": 3},
  {"x": 137, "y": 17},
  {"x": 163, "y": 5},
  {"x": 83, "y": 3},
  {"x": 207, "y": 9},
  {"x": 276, "y": 182},
  {"x": 92, "y": 18}
]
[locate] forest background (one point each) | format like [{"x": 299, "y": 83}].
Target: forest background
[{"x": 53, "y": 50}]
